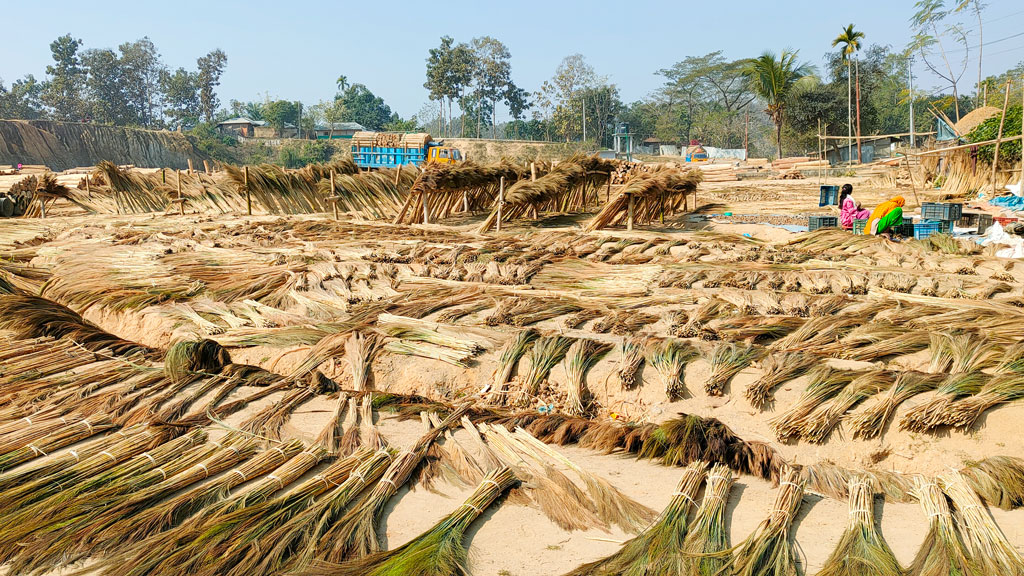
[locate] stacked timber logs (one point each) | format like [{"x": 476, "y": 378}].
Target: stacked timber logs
[{"x": 390, "y": 139}]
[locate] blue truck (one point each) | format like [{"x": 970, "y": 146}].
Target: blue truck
[{"x": 373, "y": 150}]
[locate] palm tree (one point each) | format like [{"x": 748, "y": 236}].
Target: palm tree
[
  {"x": 850, "y": 39},
  {"x": 342, "y": 83},
  {"x": 774, "y": 79}
]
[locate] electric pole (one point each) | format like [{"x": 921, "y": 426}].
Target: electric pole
[{"x": 910, "y": 75}]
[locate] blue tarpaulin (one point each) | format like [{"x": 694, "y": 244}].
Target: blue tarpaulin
[{"x": 1013, "y": 202}]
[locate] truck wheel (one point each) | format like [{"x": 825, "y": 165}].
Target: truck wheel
[{"x": 6, "y": 207}]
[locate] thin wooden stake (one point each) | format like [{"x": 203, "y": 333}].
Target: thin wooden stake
[
  {"x": 181, "y": 202},
  {"x": 189, "y": 165},
  {"x": 42, "y": 208},
  {"x": 334, "y": 201},
  {"x": 87, "y": 189},
  {"x": 398, "y": 174},
  {"x": 629, "y": 213},
  {"x": 426, "y": 211},
  {"x": 206, "y": 167},
  {"x": 248, "y": 195},
  {"x": 999, "y": 137},
  {"x": 501, "y": 201}
]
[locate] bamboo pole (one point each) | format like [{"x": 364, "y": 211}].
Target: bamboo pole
[
  {"x": 533, "y": 178},
  {"x": 629, "y": 212},
  {"x": 334, "y": 202},
  {"x": 88, "y": 190},
  {"x": 426, "y": 209},
  {"x": 181, "y": 201},
  {"x": 398, "y": 174},
  {"x": 1021, "y": 191},
  {"x": 501, "y": 201},
  {"x": 999, "y": 137},
  {"x": 189, "y": 165},
  {"x": 206, "y": 167},
  {"x": 42, "y": 208},
  {"x": 961, "y": 147},
  {"x": 248, "y": 195}
]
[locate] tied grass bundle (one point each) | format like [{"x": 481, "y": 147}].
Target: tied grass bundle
[
  {"x": 581, "y": 357},
  {"x": 612, "y": 506},
  {"x": 826, "y": 382},
  {"x": 657, "y": 551},
  {"x": 1003, "y": 388},
  {"x": 768, "y": 551},
  {"x": 869, "y": 423},
  {"x": 943, "y": 552},
  {"x": 825, "y": 419},
  {"x": 778, "y": 368},
  {"x": 439, "y": 551},
  {"x": 957, "y": 353},
  {"x": 631, "y": 361},
  {"x": 727, "y": 359},
  {"x": 861, "y": 551},
  {"x": 65, "y": 436},
  {"x": 172, "y": 512},
  {"x": 359, "y": 352},
  {"x": 546, "y": 353},
  {"x": 511, "y": 353},
  {"x": 999, "y": 480},
  {"x": 355, "y": 534},
  {"x": 669, "y": 357},
  {"x": 991, "y": 549},
  {"x": 933, "y": 413},
  {"x": 706, "y": 546}
]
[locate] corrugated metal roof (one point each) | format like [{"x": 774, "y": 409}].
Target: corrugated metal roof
[{"x": 341, "y": 126}]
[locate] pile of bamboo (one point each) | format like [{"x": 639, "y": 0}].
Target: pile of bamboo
[
  {"x": 783, "y": 164},
  {"x": 718, "y": 172},
  {"x": 390, "y": 140}
]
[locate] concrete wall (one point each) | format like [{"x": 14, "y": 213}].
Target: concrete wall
[{"x": 63, "y": 145}]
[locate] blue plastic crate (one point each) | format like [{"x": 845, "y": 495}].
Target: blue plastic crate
[
  {"x": 941, "y": 211},
  {"x": 829, "y": 196},
  {"x": 815, "y": 222},
  {"x": 925, "y": 229}
]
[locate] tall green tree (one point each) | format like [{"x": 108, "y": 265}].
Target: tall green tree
[
  {"x": 492, "y": 73},
  {"x": 932, "y": 29},
  {"x": 105, "y": 92},
  {"x": 62, "y": 91},
  {"x": 571, "y": 77},
  {"x": 849, "y": 39},
  {"x": 774, "y": 78},
  {"x": 360, "y": 105},
  {"x": 140, "y": 70},
  {"x": 518, "y": 102},
  {"x": 280, "y": 113},
  {"x": 449, "y": 71},
  {"x": 22, "y": 100},
  {"x": 210, "y": 67},
  {"x": 181, "y": 97}
]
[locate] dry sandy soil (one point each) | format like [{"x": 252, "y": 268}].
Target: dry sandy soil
[{"x": 516, "y": 540}]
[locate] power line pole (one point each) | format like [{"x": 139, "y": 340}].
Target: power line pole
[{"x": 910, "y": 75}]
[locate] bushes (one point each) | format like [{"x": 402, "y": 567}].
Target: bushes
[
  {"x": 297, "y": 155},
  {"x": 1009, "y": 152}
]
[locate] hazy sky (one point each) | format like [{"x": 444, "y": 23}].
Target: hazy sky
[{"x": 295, "y": 50}]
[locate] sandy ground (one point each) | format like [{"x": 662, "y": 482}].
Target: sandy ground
[{"x": 514, "y": 540}]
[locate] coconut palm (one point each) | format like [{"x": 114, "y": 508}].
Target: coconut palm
[
  {"x": 342, "y": 83},
  {"x": 774, "y": 78},
  {"x": 850, "y": 40}
]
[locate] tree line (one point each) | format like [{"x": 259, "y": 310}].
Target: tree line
[{"x": 129, "y": 86}]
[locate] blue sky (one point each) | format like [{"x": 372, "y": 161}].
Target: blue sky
[{"x": 296, "y": 50}]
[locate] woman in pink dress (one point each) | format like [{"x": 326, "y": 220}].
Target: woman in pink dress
[{"x": 849, "y": 208}]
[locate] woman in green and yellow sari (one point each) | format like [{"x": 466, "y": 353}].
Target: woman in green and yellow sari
[{"x": 885, "y": 216}]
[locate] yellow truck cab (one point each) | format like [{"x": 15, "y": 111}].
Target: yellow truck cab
[{"x": 443, "y": 155}]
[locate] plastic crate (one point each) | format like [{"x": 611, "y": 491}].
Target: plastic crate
[
  {"x": 815, "y": 222},
  {"x": 829, "y": 196},
  {"x": 908, "y": 220},
  {"x": 985, "y": 221},
  {"x": 945, "y": 226},
  {"x": 905, "y": 230},
  {"x": 923, "y": 230},
  {"x": 858, "y": 225},
  {"x": 941, "y": 211}
]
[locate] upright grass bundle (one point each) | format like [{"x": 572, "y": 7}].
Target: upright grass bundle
[
  {"x": 999, "y": 480},
  {"x": 777, "y": 369},
  {"x": 581, "y": 357},
  {"x": 657, "y": 551},
  {"x": 933, "y": 413},
  {"x": 861, "y": 551},
  {"x": 669, "y": 357},
  {"x": 869, "y": 423},
  {"x": 631, "y": 362},
  {"x": 727, "y": 360},
  {"x": 990, "y": 547},
  {"x": 706, "y": 546},
  {"x": 547, "y": 351},
  {"x": 943, "y": 552},
  {"x": 511, "y": 353},
  {"x": 359, "y": 352},
  {"x": 439, "y": 551},
  {"x": 826, "y": 383},
  {"x": 768, "y": 551}
]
